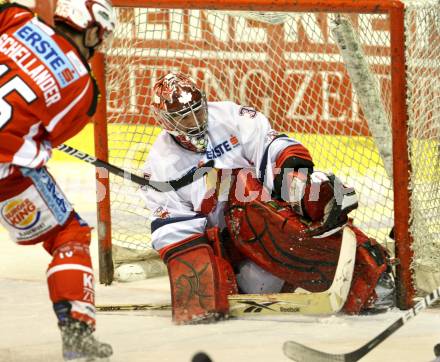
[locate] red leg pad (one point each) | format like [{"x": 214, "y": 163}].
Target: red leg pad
[
  {"x": 370, "y": 264},
  {"x": 70, "y": 274},
  {"x": 200, "y": 281}
]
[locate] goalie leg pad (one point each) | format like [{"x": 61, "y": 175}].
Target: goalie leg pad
[
  {"x": 274, "y": 237},
  {"x": 200, "y": 281},
  {"x": 70, "y": 276},
  {"x": 370, "y": 264}
]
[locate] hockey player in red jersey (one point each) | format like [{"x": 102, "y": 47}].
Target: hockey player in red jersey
[
  {"x": 262, "y": 221},
  {"x": 47, "y": 95}
]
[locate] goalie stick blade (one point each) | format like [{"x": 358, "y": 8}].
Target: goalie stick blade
[
  {"x": 327, "y": 302},
  {"x": 301, "y": 353},
  {"x": 280, "y": 303}
]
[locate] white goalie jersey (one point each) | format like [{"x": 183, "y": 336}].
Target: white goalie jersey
[{"x": 238, "y": 138}]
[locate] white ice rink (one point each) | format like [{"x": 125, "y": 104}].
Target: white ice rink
[{"x": 28, "y": 329}]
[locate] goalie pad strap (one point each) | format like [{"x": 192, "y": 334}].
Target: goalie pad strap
[{"x": 200, "y": 281}]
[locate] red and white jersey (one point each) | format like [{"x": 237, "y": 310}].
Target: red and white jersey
[
  {"x": 47, "y": 94},
  {"x": 238, "y": 138}
]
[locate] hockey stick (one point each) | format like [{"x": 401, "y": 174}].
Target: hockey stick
[
  {"x": 161, "y": 186},
  {"x": 327, "y": 302},
  {"x": 131, "y": 307},
  {"x": 301, "y": 353}
]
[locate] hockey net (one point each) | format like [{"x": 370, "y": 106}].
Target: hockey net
[{"x": 289, "y": 66}]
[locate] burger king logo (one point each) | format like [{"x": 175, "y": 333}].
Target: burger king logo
[{"x": 21, "y": 214}]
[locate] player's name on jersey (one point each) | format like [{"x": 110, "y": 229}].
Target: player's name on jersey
[{"x": 31, "y": 66}]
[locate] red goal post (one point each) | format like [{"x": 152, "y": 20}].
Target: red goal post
[{"x": 305, "y": 60}]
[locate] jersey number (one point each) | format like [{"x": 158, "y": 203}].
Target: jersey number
[
  {"x": 14, "y": 84},
  {"x": 247, "y": 111}
]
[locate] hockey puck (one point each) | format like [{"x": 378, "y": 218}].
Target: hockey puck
[
  {"x": 437, "y": 349},
  {"x": 201, "y": 357}
]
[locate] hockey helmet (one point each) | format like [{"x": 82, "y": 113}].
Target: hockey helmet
[
  {"x": 84, "y": 14},
  {"x": 181, "y": 109}
]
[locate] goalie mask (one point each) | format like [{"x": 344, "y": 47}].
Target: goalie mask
[
  {"x": 181, "y": 108},
  {"x": 86, "y": 14}
]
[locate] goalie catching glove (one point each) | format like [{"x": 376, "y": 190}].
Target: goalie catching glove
[{"x": 322, "y": 199}]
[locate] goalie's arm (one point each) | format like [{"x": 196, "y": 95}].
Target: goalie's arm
[{"x": 268, "y": 150}]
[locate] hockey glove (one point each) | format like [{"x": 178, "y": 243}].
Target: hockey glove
[{"x": 322, "y": 199}]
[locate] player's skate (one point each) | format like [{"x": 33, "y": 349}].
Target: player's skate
[
  {"x": 79, "y": 344},
  {"x": 437, "y": 352}
]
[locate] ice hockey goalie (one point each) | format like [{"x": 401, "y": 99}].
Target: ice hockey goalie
[{"x": 262, "y": 221}]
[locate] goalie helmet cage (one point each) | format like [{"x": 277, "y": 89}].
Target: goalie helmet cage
[{"x": 283, "y": 58}]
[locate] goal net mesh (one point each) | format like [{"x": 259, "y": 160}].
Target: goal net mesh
[{"x": 289, "y": 67}]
